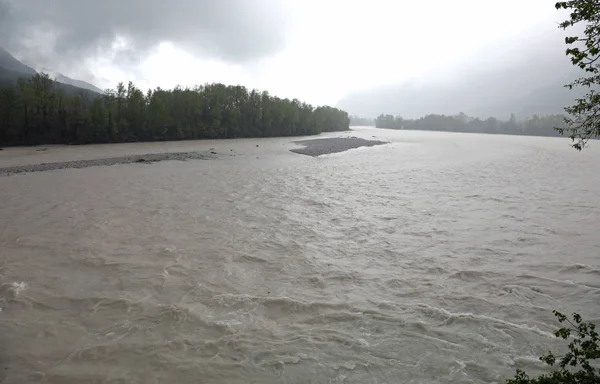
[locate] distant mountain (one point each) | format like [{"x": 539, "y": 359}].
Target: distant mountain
[
  {"x": 547, "y": 100},
  {"x": 77, "y": 83},
  {"x": 534, "y": 84},
  {"x": 8, "y": 77},
  {"x": 11, "y": 69},
  {"x": 478, "y": 97},
  {"x": 9, "y": 63}
]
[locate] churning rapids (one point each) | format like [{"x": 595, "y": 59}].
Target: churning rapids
[{"x": 436, "y": 258}]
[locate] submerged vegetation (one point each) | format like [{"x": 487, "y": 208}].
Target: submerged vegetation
[
  {"x": 534, "y": 126},
  {"x": 37, "y": 111}
]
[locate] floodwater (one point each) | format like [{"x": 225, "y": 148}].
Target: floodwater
[{"x": 436, "y": 258}]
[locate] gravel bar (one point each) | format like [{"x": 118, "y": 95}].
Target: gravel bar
[
  {"x": 148, "y": 158},
  {"x": 319, "y": 147}
]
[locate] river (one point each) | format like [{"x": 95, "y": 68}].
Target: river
[{"x": 436, "y": 258}]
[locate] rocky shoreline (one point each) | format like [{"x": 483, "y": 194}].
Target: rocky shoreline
[
  {"x": 317, "y": 147},
  {"x": 147, "y": 158}
]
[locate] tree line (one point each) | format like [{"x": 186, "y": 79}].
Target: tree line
[
  {"x": 37, "y": 110},
  {"x": 533, "y": 126}
]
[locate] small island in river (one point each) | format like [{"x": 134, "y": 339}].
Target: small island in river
[{"x": 317, "y": 147}]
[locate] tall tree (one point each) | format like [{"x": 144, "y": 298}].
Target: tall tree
[
  {"x": 37, "y": 111},
  {"x": 583, "y": 122}
]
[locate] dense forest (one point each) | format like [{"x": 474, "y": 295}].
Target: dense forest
[
  {"x": 534, "y": 126},
  {"x": 36, "y": 110}
]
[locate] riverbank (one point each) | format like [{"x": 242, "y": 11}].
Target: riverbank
[
  {"x": 16, "y": 160},
  {"x": 146, "y": 158}
]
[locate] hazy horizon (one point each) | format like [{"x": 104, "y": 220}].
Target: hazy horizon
[{"x": 323, "y": 53}]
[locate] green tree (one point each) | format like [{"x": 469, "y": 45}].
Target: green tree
[
  {"x": 583, "y": 121},
  {"x": 37, "y": 110},
  {"x": 577, "y": 366},
  {"x": 9, "y": 115},
  {"x": 534, "y": 126}
]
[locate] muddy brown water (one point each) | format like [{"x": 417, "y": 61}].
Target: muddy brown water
[{"x": 436, "y": 258}]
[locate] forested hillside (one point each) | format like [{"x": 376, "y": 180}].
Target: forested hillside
[
  {"x": 37, "y": 110},
  {"x": 9, "y": 63}
]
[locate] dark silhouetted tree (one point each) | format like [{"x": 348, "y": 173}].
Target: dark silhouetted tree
[{"x": 37, "y": 110}]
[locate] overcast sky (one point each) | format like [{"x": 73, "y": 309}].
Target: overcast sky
[{"x": 314, "y": 50}]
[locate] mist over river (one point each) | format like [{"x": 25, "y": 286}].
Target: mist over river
[{"x": 436, "y": 258}]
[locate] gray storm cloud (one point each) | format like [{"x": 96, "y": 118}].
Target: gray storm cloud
[{"x": 232, "y": 30}]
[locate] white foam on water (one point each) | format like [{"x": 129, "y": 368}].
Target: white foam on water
[{"x": 472, "y": 316}]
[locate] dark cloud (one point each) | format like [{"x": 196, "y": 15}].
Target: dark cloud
[{"x": 232, "y": 30}]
